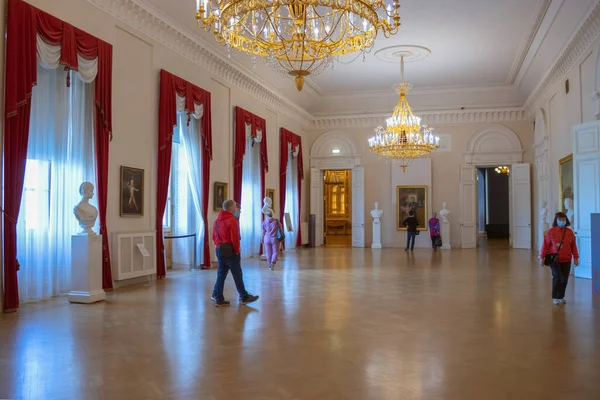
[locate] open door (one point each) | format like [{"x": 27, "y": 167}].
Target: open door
[
  {"x": 358, "y": 207},
  {"x": 520, "y": 204},
  {"x": 316, "y": 202},
  {"x": 468, "y": 204},
  {"x": 586, "y": 187}
]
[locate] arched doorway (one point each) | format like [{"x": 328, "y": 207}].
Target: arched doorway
[
  {"x": 492, "y": 146},
  {"x": 337, "y": 151}
]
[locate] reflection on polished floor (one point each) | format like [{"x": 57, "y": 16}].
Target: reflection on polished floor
[{"x": 330, "y": 324}]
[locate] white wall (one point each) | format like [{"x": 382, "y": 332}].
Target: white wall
[
  {"x": 137, "y": 60},
  {"x": 445, "y": 175},
  {"x": 563, "y": 110}
]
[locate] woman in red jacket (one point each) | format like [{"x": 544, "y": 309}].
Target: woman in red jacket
[{"x": 560, "y": 240}]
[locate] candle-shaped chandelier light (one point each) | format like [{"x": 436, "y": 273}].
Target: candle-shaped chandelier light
[
  {"x": 404, "y": 139},
  {"x": 298, "y": 37}
]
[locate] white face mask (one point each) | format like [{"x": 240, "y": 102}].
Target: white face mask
[{"x": 561, "y": 224}]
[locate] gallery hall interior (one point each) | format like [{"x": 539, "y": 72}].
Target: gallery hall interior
[{"x": 300, "y": 200}]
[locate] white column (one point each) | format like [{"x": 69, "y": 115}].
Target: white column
[
  {"x": 86, "y": 269},
  {"x": 376, "y": 233}
]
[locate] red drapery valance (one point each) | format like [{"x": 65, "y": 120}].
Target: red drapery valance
[
  {"x": 243, "y": 118},
  {"x": 170, "y": 87},
  {"x": 287, "y": 138},
  {"x": 23, "y": 24}
]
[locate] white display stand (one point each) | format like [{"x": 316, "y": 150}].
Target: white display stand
[
  {"x": 86, "y": 269},
  {"x": 376, "y": 214},
  {"x": 446, "y": 235}
]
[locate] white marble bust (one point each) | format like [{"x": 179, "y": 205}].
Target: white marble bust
[
  {"x": 267, "y": 205},
  {"x": 86, "y": 213},
  {"x": 544, "y": 213},
  {"x": 376, "y": 213},
  {"x": 444, "y": 213},
  {"x": 569, "y": 210}
]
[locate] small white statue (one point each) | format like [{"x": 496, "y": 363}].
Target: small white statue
[
  {"x": 86, "y": 213},
  {"x": 376, "y": 213},
  {"x": 544, "y": 213},
  {"x": 444, "y": 213},
  {"x": 267, "y": 205},
  {"x": 569, "y": 210}
]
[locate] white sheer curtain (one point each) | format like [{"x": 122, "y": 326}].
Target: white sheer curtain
[
  {"x": 187, "y": 196},
  {"x": 60, "y": 156},
  {"x": 251, "y": 216},
  {"x": 291, "y": 198}
]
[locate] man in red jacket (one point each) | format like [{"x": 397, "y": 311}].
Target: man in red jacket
[{"x": 226, "y": 234}]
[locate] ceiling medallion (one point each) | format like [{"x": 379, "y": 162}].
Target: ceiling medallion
[
  {"x": 298, "y": 37},
  {"x": 404, "y": 139}
]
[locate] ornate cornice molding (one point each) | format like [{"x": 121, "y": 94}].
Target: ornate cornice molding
[
  {"x": 428, "y": 117},
  {"x": 167, "y": 33},
  {"x": 581, "y": 41}
]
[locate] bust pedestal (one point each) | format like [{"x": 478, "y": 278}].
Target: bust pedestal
[
  {"x": 446, "y": 235},
  {"x": 86, "y": 269},
  {"x": 376, "y": 234}
]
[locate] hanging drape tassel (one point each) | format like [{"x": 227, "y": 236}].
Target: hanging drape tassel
[
  {"x": 189, "y": 118},
  {"x": 67, "y": 70}
]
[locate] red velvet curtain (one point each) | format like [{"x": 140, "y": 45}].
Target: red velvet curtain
[
  {"x": 24, "y": 22},
  {"x": 170, "y": 87},
  {"x": 287, "y": 138},
  {"x": 242, "y": 118}
]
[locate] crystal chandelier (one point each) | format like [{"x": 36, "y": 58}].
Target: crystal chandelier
[
  {"x": 404, "y": 139},
  {"x": 503, "y": 170},
  {"x": 298, "y": 37}
]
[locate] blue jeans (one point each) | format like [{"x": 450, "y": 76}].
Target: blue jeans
[
  {"x": 410, "y": 240},
  {"x": 225, "y": 265}
]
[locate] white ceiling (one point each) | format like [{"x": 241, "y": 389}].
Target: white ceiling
[{"x": 485, "y": 53}]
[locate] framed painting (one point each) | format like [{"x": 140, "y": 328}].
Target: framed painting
[
  {"x": 270, "y": 193},
  {"x": 411, "y": 198},
  {"x": 219, "y": 195},
  {"x": 565, "y": 182},
  {"x": 132, "y": 192}
]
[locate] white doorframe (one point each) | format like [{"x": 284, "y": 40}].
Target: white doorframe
[
  {"x": 490, "y": 146},
  {"x": 334, "y": 150}
]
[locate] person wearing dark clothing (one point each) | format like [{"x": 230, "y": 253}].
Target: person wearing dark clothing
[
  {"x": 227, "y": 232},
  {"x": 411, "y": 223}
]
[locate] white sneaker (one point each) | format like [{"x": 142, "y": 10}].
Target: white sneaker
[{"x": 556, "y": 301}]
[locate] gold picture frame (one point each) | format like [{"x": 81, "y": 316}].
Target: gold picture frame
[
  {"x": 415, "y": 198},
  {"x": 219, "y": 195},
  {"x": 132, "y": 192},
  {"x": 270, "y": 193},
  {"x": 565, "y": 181}
]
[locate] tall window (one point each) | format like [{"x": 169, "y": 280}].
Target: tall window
[
  {"x": 60, "y": 156},
  {"x": 251, "y": 217},
  {"x": 185, "y": 193},
  {"x": 291, "y": 198}
]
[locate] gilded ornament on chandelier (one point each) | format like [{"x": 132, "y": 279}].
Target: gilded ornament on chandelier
[
  {"x": 298, "y": 37},
  {"x": 404, "y": 139}
]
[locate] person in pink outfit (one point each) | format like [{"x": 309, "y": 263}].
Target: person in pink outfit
[{"x": 270, "y": 228}]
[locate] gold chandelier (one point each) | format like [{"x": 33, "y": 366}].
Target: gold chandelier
[
  {"x": 503, "y": 170},
  {"x": 404, "y": 139},
  {"x": 298, "y": 37}
]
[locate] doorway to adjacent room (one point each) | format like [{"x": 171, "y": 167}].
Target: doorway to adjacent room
[
  {"x": 493, "y": 206},
  {"x": 337, "y": 208}
]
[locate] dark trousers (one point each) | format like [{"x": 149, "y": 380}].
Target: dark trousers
[
  {"x": 410, "y": 240},
  {"x": 225, "y": 265},
  {"x": 560, "y": 278}
]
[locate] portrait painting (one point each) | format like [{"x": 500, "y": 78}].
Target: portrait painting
[
  {"x": 132, "y": 192},
  {"x": 270, "y": 193},
  {"x": 219, "y": 195},
  {"x": 411, "y": 198},
  {"x": 565, "y": 176}
]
